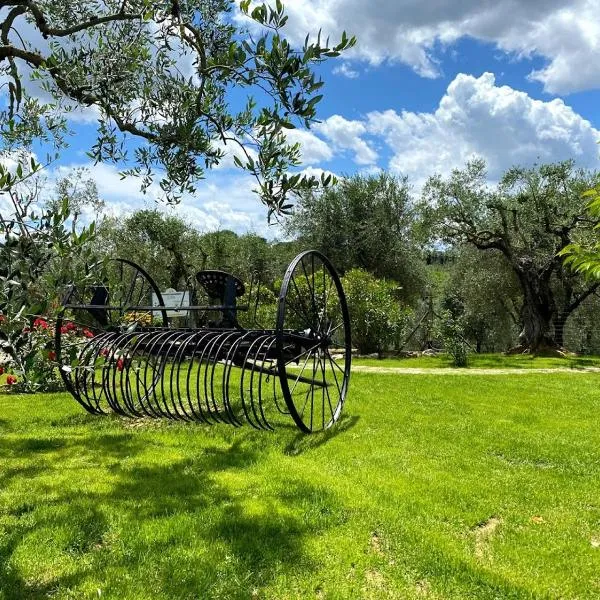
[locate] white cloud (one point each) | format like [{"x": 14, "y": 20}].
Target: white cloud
[
  {"x": 477, "y": 118},
  {"x": 566, "y": 34},
  {"x": 346, "y": 135},
  {"x": 222, "y": 201},
  {"x": 346, "y": 70},
  {"x": 313, "y": 149}
]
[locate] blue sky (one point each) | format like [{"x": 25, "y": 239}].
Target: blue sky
[{"x": 428, "y": 86}]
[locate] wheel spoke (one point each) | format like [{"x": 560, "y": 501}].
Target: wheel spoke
[
  {"x": 312, "y": 293},
  {"x": 334, "y": 375},
  {"x": 300, "y": 375},
  {"x": 300, "y": 299},
  {"x": 302, "y": 353}
]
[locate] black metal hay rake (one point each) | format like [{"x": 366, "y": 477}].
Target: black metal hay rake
[{"x": 119, "y": 351}]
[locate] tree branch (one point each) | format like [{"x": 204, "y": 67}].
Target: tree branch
[
  {"x": 47, "y": 31},
  {"x": 580, "y": 298}
]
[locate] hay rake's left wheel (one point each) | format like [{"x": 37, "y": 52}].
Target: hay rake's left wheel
[
  {"x": 313, "y": 342},
  {"x": 95, "y": 332}
]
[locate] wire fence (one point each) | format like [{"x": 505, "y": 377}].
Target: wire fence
[{"x": 578, "y": 333}]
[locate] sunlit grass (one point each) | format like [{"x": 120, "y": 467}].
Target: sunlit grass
[
  {"x": 486, "y": 361},
  {"x": 431, "y": 487}
]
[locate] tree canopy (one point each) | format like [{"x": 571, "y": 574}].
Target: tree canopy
[
  {"x": 527, "y": 219},
  {"x": 364, "y": 222},
  {"x": 162, "y": 73}
]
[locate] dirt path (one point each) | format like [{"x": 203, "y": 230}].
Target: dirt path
[{"x": 472, "y": 371}]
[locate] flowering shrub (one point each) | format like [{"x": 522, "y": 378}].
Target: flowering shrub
[
  {"x": 29, "y": 355},
  {"x": 41, "y": 252},
  {"x": 143, "y": 319}
]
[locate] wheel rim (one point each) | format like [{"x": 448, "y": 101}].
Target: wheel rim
[
  {"x": 85, "y": 364},
  {"x": 313, "y": 342}
]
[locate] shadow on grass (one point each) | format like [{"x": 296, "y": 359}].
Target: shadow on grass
[
  {"x": 174, "y": 522},
  {"x": 303, "y": 442}
]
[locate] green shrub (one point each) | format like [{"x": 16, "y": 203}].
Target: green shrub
[
  {"x": 452, "y": 333},
  {"x": 377, "y": 317}
]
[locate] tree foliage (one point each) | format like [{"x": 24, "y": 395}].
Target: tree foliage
[
  {"x": 41, "y": 252},
  {"x": 364, "y": 222},
  {"x": 527, "y": 218},
  {"x": 162, "y": 73},
  {"x": 483, "y": 291},
  {"x": 377, "y": 315},
  {"x": 585, "y": 258}
]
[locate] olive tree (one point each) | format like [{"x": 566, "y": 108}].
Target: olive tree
[
  {"x": 161, "y": 73},
  {"x": 364, "y": 222},
  {"x": 526, "y": 219}
]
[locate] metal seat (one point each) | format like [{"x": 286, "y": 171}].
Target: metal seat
[{"x": 215, "y": 283}]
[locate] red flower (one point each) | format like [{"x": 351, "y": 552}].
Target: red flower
[
  {"x": 26, "y": 330},
  {"x": 1, "y": 370},
  {"x": 10, "y": 379},
  {"x": 51, "y": 355},
  {"x": 104, "y": 352},
  {"x": 2, "y": 318},
  {"x": 87, "y": 333},
  {"x": 64, "y": 329},
  {"x": 120, "y": 364},
  {"x": 70, "y": 326},
  {"x": 41, "y": 323}
]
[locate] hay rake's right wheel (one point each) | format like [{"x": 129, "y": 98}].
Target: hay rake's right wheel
[{"x": 313, "y": 342}]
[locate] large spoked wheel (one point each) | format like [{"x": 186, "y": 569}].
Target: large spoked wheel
[
  {"x": 313, "y": 342},
  {"x": 100, "y": 336}
]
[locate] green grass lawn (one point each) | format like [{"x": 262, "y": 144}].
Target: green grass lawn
[
  {"x": 486, "y": 361},
  {"x": 431, "y": 487}
]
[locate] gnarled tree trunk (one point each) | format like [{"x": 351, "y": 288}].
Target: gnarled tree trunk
[{"x": 538, "y": 308}]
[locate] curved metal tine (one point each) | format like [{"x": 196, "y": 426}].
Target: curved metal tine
[
  {"x": 254, "y": 362},
  {"x": 198, "y": 343},
  {"x": 208, "y": 416},
  {"x": 274, "y": 378},
  {"x": 167, "y": 342},
  {"x": 150, "y": 384},
  {"x": 126, "y": 372},
  {"x": 222, "y": 355},
  {"x": 138, "y": 400},
  {"x": 277, "y": 403},
  {"x": 323, "y": 388},
  {"x": 213, "y": 358},
  {"x": 269, "y": 340},
  {"x": 176, "y": 369},
  {"x": 229, "y": 364},
  {"x": 157, "y": 372},
  {"x": 121, "y": 395},
  {"x": 335, "y": 413},
  {"x": 102, "y": 340},
  {"x": 179, "y": 360},
  {"x": 341, "y": 399},
  {"x": 117, "y": 376},
  {"x": 112, "y": 389},
  {"x": 248, "y": 360},
  {"x": 80, "y": 376},
  {"x": 107, "y": 369}
]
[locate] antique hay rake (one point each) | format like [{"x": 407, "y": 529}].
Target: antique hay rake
[{"x": 133, "y": 361}]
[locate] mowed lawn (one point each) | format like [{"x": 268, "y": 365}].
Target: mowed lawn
[{"x": 466, "y": 486}]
